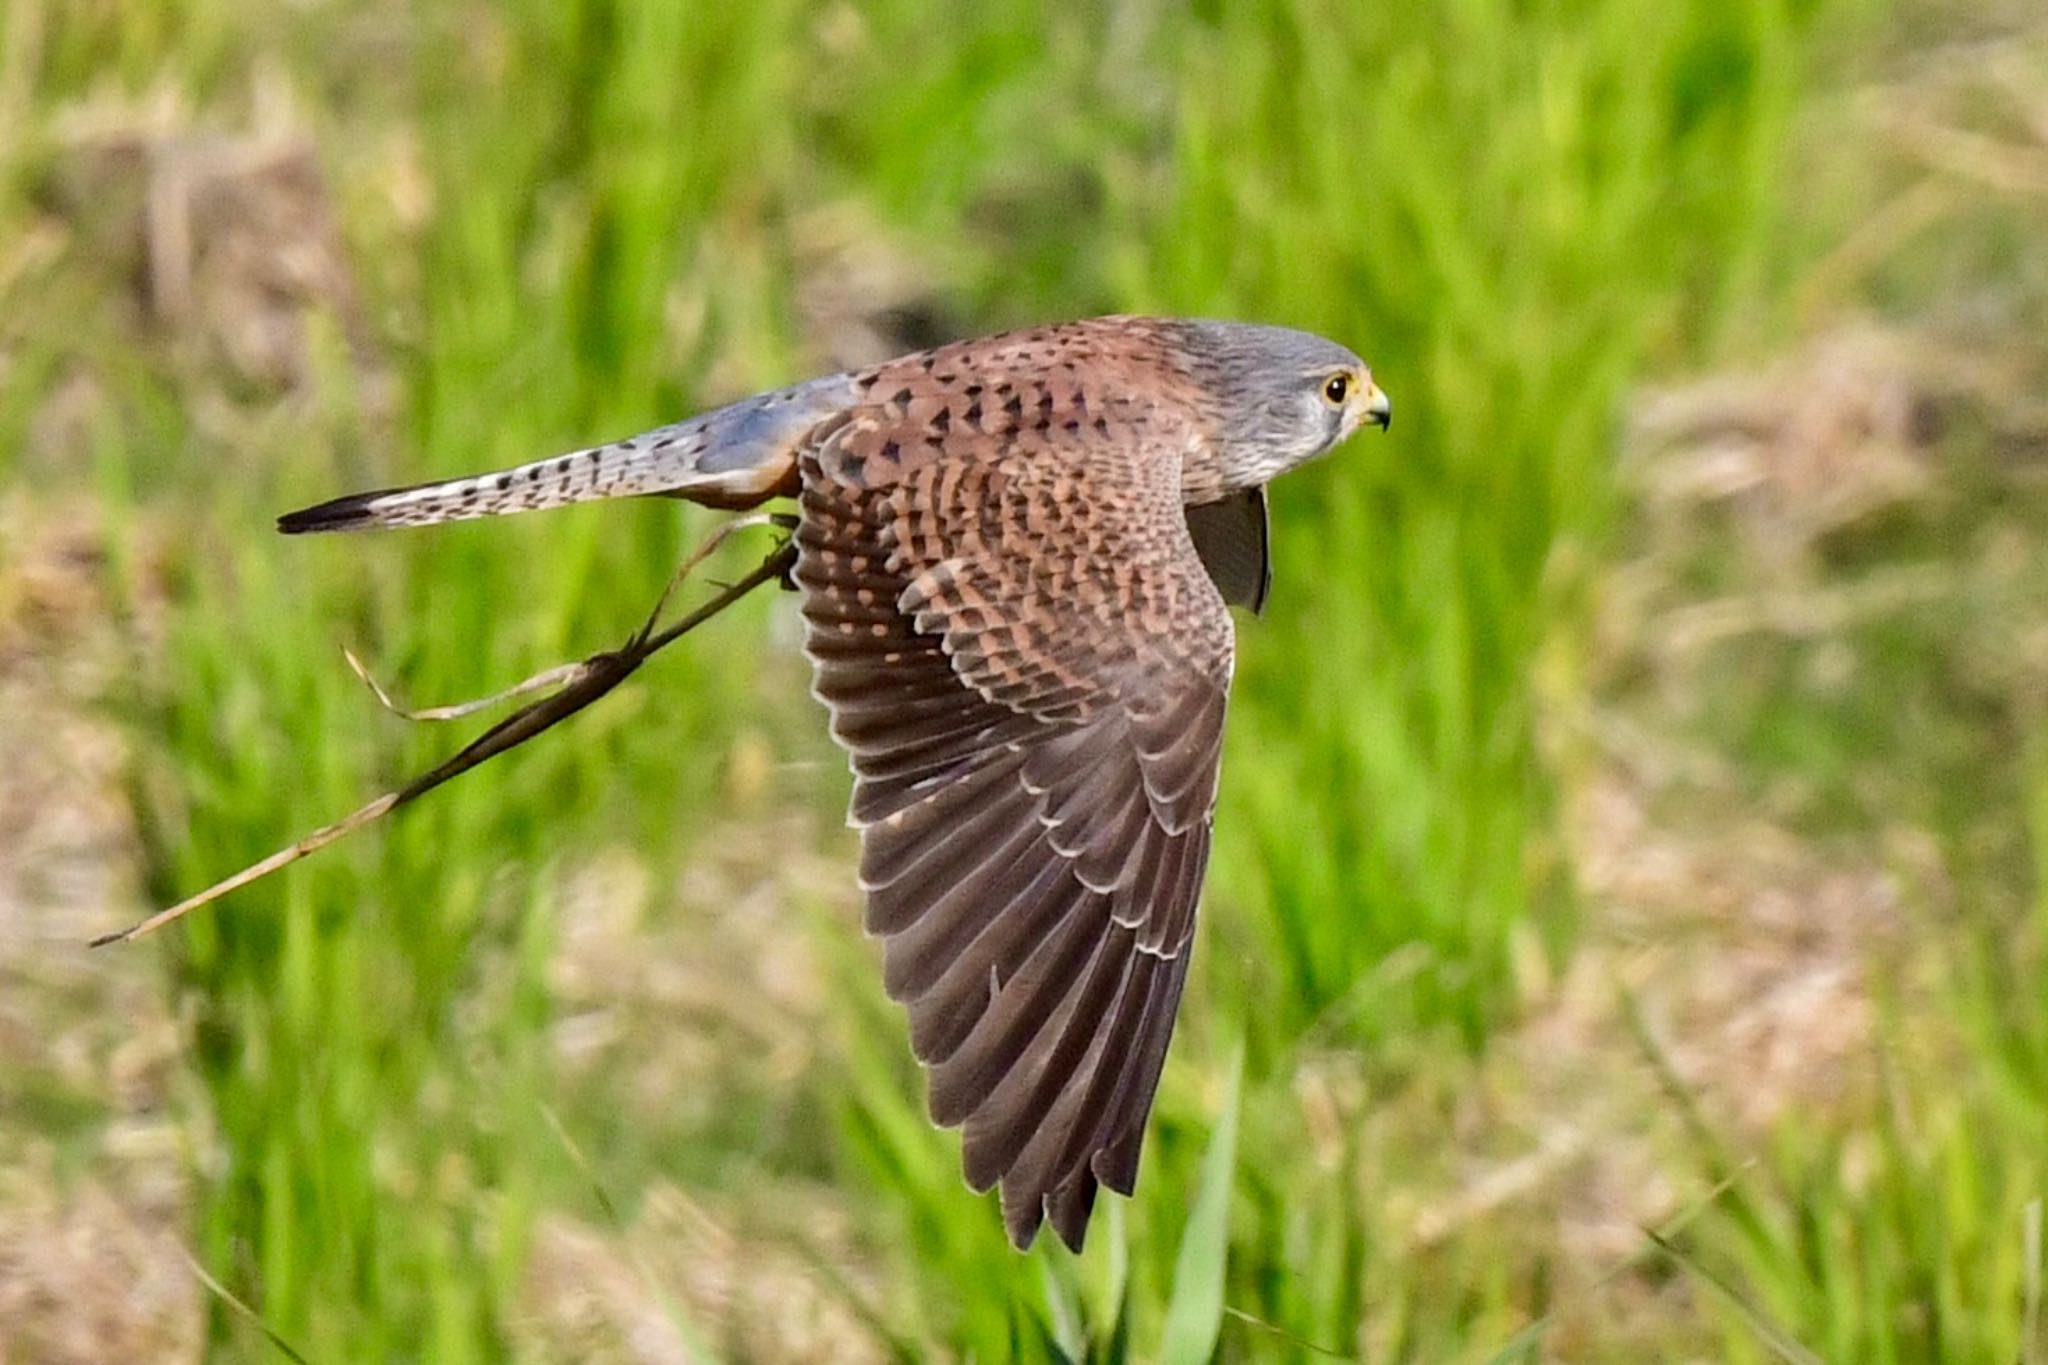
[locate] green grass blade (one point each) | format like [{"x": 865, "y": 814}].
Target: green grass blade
[
  {"x": 2035, "y": 1348},
  {"x": 1194, "y": 1315},
  {"x": 1065, "y": 1325},
  {"x": 1769, "y": 1333}
]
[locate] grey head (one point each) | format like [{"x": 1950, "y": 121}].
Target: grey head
[{"x": 1282, "y": 397}]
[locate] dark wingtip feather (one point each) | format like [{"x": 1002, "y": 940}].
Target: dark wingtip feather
[
  {"x": 1069, "y": 1207},
  {"x": 1022, "y": 1215},
  {"x": 338, "y": 514},
  {"x": 1066, "y": 1209}
]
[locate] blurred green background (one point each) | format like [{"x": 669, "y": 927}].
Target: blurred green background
[{"x": 1626, "y": 934}]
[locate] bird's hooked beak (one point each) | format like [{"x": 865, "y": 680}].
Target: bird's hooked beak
[{"x": 1377, "y": 408}]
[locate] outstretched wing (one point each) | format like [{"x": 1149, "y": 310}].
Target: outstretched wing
[{"x": 1028, "y": 665}]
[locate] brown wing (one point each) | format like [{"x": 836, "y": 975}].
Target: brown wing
[
  {"x": 1028, "y": 665},
  {"x": 1230, "y": 535}
]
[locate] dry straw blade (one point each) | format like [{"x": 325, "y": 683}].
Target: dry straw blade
[{"x": 580, "y": 684}]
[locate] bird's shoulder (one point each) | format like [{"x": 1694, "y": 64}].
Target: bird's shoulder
[{"x": 1112, "y": 395}]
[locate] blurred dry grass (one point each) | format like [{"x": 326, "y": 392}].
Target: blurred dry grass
[
  {"x": 94, "y": 1267},
  {"x": 219, "y": 242}
]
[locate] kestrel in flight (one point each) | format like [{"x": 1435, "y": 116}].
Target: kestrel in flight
[{"x": 1015, "y": 556}]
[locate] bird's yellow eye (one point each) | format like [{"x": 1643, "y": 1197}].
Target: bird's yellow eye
[{"x": 1336, "y": 389}]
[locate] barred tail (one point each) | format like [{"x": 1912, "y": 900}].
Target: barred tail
[{"x": 735, "y": 456}]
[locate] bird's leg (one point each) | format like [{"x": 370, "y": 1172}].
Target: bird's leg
[
  {"x": 786, "y": 521},
  {"x": 704, "y": 551}
]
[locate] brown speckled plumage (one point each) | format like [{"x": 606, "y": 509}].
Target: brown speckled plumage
[{"x": 1026, "y": 655}]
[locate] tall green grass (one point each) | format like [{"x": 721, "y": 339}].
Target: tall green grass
[{"x": 1512, "y": 210}]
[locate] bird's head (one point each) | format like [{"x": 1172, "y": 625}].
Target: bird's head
[{"x": 1281, "y": 397}]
